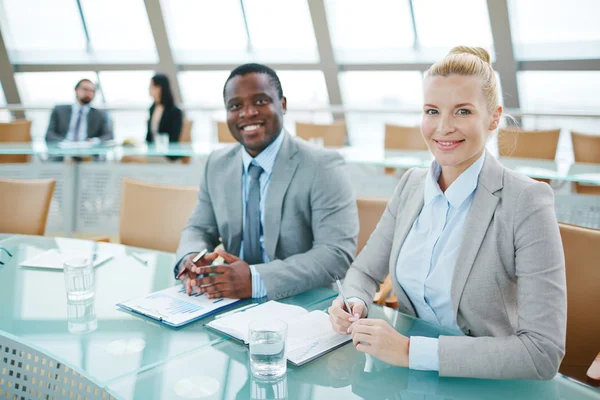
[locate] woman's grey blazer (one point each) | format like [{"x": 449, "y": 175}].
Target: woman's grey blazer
[{"x": 508, "y": 290}]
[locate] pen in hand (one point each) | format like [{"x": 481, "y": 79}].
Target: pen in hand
[
  {"x": 348, "y": 309},
  {"x": 195, "y": 260}
]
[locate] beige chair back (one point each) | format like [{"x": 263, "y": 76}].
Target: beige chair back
[
  {"x": 404, "y": 138},
  {"x": 223, "y": 134},
  {"x": 17, "y": 131},
  {"x": 582, "y": 252},
  {"x": 370, "y": 211},
  {"x": 25, "y": 205},
  {"x": 333, "y": 135},
  {"x": 153, "y": 215},
  {"x": 586, "y": 149},
  {"x": 186, "y": 137},
  {"x": 514, "y": 142}
]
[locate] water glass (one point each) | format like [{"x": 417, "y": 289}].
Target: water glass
[
  {"x": 161, "y": 142},
  {"x": 317, "y": 141},
  {"x": 81, "y": 316},
  {"x": 79, "y": 278},
  {"x": 267, "y": 348}
]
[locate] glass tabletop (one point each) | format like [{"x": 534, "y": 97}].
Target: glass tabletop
[
  {"x": 34, "y": 308},
  {"x": 342, "y": 374},
  {"x": 535, "y": 168}
]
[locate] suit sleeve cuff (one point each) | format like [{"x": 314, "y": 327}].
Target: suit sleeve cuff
[
  {"x": 424, "y": 354},
  {"x": 258, "y": 287}
]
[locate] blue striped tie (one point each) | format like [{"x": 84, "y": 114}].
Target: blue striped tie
[{"x": 252, "y": 251}]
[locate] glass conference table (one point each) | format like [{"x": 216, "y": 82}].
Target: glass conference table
[{"x": 135, "y": 358}]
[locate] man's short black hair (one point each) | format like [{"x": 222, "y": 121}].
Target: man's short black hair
[
  {"x": 254, "y": 68},
  {"x": 83, "y": 80}
]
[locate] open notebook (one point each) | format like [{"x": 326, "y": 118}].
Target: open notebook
[
  {"x": 53, "y": 259},
  {"x": 310, "y": 334}
]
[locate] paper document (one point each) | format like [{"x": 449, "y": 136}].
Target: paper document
[
  {"x": 309, "y": 336},
  {"x": 53, "y": 259},
  {"x": 174, "y": 307}
]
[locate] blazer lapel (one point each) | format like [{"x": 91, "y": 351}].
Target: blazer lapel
[
  {"x": 232, "y": 173},
  {"x": 406, "y": 218},
  {"x": 283, "y": 171},
  {"x": 91, "y": 122},
  {"x": 477, "y": 223}
]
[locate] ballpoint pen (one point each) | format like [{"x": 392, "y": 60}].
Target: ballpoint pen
[
  {"x": 339, "y": 285},
  {"x": 140, "y": 259},
  {"x": 237, "y": 310},
  {"x": 195, "y": 260}
]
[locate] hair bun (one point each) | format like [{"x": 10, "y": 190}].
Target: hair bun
[{"x": 476, "y": 51}]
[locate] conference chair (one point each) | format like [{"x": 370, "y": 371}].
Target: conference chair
[
  {"x": 399, "y": 137},
  {"x": 27, "y": 373},
  {"x": 223, "y": 134},
  {"x": 370, "y": 211},
  {"x": 586, "y": 149},
  {"x": 582, "y": 252},
  {"x": 25, "y": 205},
  {"x": 153, "y": 215},
  {"x": 186, "y": 137},
  {"x": 18, "y": 131},
  {"x": 515, "y": 142},
  {"x": 333, "y": 135}
]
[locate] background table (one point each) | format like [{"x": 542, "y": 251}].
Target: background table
[{"x": 136, "y": 358}]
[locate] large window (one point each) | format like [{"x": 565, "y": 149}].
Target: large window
[
  {"x": 377, "y": 90},
  {"x": 555, "y": 29}
]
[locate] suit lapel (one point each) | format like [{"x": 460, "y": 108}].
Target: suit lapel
[
  {"x": 283, "y": 171},
  {"x": 405, "y": 219},
  {"x": 232, "y": 174},
  {"x": 477, "y": 223},
  {"x": 91, "y": 122}
]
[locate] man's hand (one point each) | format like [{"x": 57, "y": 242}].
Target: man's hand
[
  {"x": 378, "y": 338},
  {"x": 233, "y": 280},
  {"x": 187, "y": 266}
]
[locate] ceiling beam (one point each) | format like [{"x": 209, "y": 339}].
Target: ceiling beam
[
  {"x": 7, "y": 78},
  {"x": 560, "y": 65}
]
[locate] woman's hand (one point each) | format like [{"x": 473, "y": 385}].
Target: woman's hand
[
  {"x": 341, "y": 319},
  {"x": 378, "y": 338}
]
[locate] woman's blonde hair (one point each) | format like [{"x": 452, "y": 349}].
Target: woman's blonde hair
[{"x": 470, "y": 61}]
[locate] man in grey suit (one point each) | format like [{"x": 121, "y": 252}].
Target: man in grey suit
[
  {"x": 283, "y": 209},
  {"x": 79, "y": 121}
]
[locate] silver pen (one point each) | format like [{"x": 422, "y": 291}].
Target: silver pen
[
  {"x": 140, "y": 259},
  {"x": 339, "y": 285}
]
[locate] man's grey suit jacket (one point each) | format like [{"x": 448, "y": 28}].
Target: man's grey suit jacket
[
  {"x": 508, "y": 288},
  {"x": 98, "y": 124},
  {"x": 310, "y": 221}
]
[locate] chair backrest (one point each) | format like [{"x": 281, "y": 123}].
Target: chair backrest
[
  {"x": 582, "y": 252},
  {"x": 186, "y": 137},
  {"x": 586, "y": 148},
  {"x": 153, "y": 215},
  {"x": 27, "y": 373},
  {"x": 404, "y": 138},
  {"x": 514, "y": 142},
  {"x": 333, "y": 135},
  {"x": 25, "y": 205},
  {"x": 223, "y": 134},
  {"x": 370, "y": 211},
  {"x": 16, "y": 131}
]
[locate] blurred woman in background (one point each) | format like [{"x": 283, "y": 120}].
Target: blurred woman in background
[{"x": 165, "y": 116}]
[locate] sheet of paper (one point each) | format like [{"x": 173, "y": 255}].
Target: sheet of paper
[
  {"x": 311, "y": 335},
  {"x": 237, "y": 324},
  {"x": 53, "y": 259},
  {"x": 175, "y": 306}
]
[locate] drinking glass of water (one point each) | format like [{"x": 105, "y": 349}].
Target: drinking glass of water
[
  {"x": 79, "y": 279},
  {"x": 267, "y": 348},
  {"x": 81, "y": 316}
]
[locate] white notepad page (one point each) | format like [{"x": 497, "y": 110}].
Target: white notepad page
[
  {"x": 309, "y": 333},
  {"x": 53, "y": 259}
]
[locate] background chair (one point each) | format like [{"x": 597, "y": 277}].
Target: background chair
[
  {"x": 515, "y": 142},
  {"x": 399, "y": 137},
  {"x": 153, "y": 215},
  {"x": 25, "y": 205},
  {"x": 333, "y": 135},
  {"x": 370, "y": 211},
  {"x": 586, "y": 149},
  {"x": 16, "y": 131},
  {"x": 223, "y": 134},
  {"x": 27, "y": 373},
  {"x": 582, "y": 252},
  {"x": 186, "y": 137}
]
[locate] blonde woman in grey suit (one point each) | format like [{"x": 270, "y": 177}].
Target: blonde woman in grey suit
[{"x": 469, "y": 245}]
